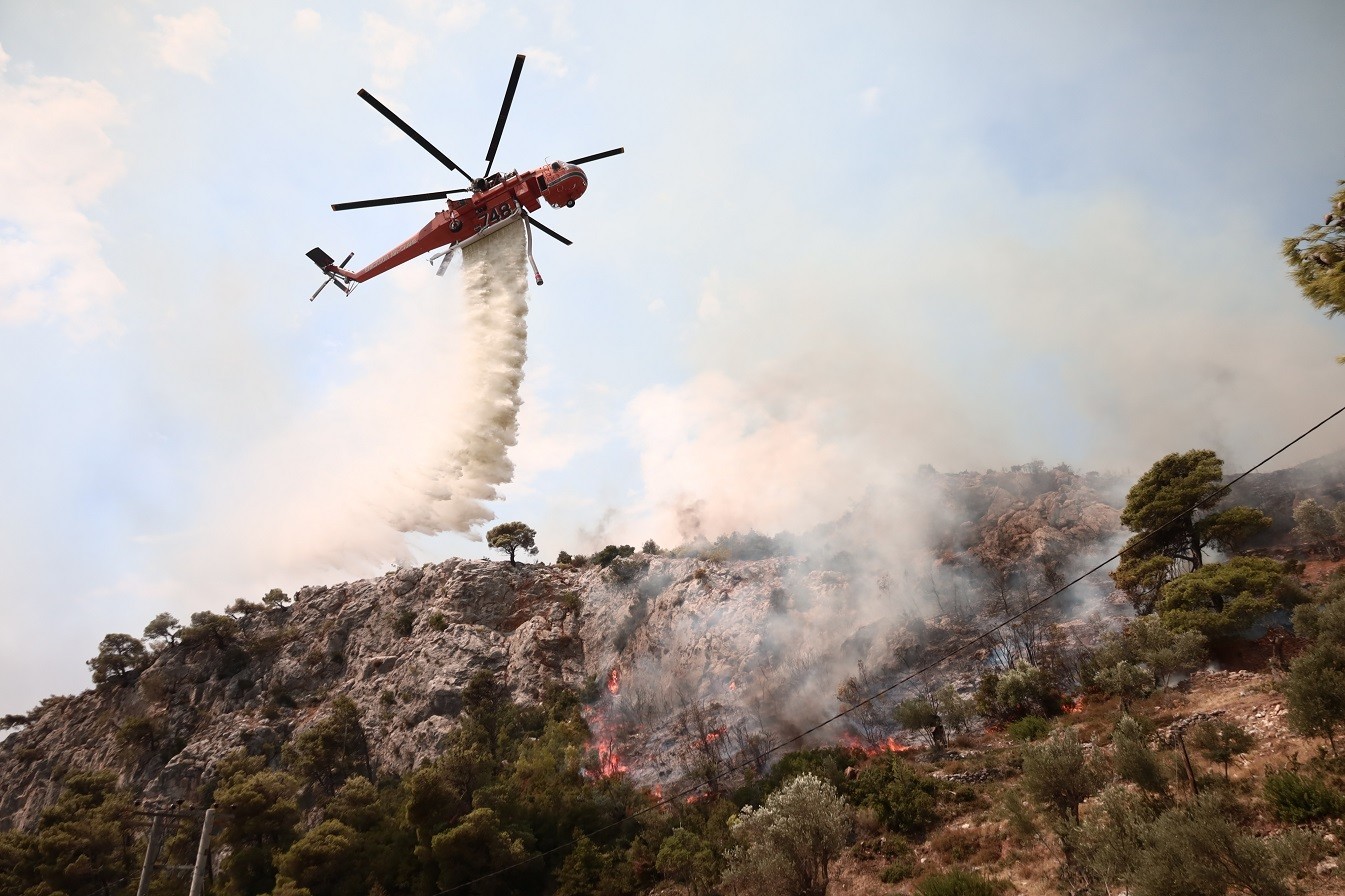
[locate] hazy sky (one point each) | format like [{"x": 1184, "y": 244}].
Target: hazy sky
[{"x": 845, "y": 240}]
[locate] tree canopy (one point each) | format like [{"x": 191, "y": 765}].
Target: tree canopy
[
  {"x": 512, "y": 538},
  {"x": 1317, "y": 259},
  {"x": 1171, "y": 510}
]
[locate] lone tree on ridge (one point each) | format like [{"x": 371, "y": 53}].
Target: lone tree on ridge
[{"x": 512, "y": 538}]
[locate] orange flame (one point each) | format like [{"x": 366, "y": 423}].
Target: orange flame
[
  {"x": 733, "y": 685},
  {"x": 713, "y": 736},
  {"x": 609, "y": 763},
  {"x": 614, "y": 681},
  {"x": 1076, "y": 706},
  {"x": 888, "y": 745}
]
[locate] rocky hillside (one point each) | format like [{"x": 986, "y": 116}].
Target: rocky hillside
[
  {"x": 673, "y": 652},
  {"x": 682, "y": 659}
]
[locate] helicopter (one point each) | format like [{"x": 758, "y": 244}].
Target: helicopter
[{"x": 496, "y": 200}]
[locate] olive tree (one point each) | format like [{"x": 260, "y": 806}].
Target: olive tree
[{"x": 786, "y": 847}]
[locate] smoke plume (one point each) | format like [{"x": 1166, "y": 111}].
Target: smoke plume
[{"x": 495, "y": 292}]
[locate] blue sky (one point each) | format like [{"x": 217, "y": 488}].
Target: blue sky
[{"x": 845, "y": 240}]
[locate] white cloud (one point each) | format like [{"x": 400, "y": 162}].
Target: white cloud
[
  {"x": 307, "y": 21},
  {"x": 392, "y": 49},
  {"x": 56, "y": 159},
  {"x": 549, "y": 63},
  {"x": 709, "y": 306},
  {"x": 193, "y": 42}
]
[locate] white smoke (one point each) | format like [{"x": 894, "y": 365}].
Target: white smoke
[{"x": 495, "y": 288}]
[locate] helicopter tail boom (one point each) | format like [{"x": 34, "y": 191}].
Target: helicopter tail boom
[{"x": 335, "y": 273}]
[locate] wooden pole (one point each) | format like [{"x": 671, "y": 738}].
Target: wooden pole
[
  {"x": 1190, "y": 772},
  {"x": 151, "y": 853},
  {"x": 202, "y": 854}
]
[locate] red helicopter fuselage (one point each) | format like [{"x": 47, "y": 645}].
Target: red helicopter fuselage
[{"x": 558, "y": 184}]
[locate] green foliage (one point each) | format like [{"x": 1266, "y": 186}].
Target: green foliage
[
  {"x": 955, "y": 710},
  {"x": 1224, "y": 598},
  {"x": 259, "y": 819},
  {"x": 1315, "y": 524},
  {"x": 1134, "y": 760},
  {"x": 209, "y": 629},
  {"x": 119, "y": 661},
  {"x": 917, "y": 715},
  {"x": 1315, "y": 691},
  {"x": 786, "y": 847},
  {"x": 1171, "y": 511},
  {"x": 903, "y": 798},
  {"x": 1324, "y": 621},
  {"x": 686, "y": 858},
  {"x": 331, "y": 750},
  {"x": 1221, "y": 741},
  {"x": 436, "y": 621},
  {"x": 83, "y": 843},
  {"x": 244, "y": 609},
  {"x": 650, "y": 547},
  {"x": 1059, "y": 775},
  {"x": 275, "y": 599},
  {"x": 1149, "y": 643},
  {"x": 1316, "y": 259},
  {"x": 1023, "y": 690},
  {"x": 958, "y": 883},
  {"x": 404, "y": 623},
  {"x": 605, "y": 557},
  {"x": 1299, "y": 799},
  {"x": 510, "y": 538},
  {"x": 564, "y": 559},
  {"x": 480, "y": 845},
  {"x": 163, "y": 630},
  {"x": 1029, "y": 728},
  {"x": 1202, "y": 849},
  {"x": 1125, "y": 681}
]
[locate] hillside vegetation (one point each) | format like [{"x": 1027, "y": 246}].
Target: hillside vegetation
[{"x": 605, "y": 724}]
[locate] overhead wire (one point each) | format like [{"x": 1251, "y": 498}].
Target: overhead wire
[{"x": 942, "y": 658}]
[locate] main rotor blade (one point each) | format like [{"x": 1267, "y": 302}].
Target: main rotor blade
[
  {"x": 548, "y": 231},
  {"x": 394, "y": 200},
  {"x": 411, "y": 132},
  {"x": 504, "y": 112},
  {"x": 601, "y": 155}
]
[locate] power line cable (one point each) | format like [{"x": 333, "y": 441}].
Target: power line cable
[{"x": 942, "y": 658}]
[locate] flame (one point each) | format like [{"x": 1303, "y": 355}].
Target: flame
[
  {"x": 656, "y": 792},
  {"x": 609, "y": 763},
  {"x": 733, "y": 685},
  {"x": 1075, "y": 707},
  {"x": 614, "y": 681},
  {"x": 713, "y": 736},
  {"x": 888, "y": 745}
]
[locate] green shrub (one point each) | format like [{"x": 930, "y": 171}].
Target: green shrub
[
  {"x": 401, "y": 626},
  {"x": 899, "y": 869},
  {"x": 958, "y": 883},
  {"x": 437, "y": 621},
  {"x": 1029, "y": 728},
  {"x": 1299, "y": 799},
  {"x": 903, "y": 798}
]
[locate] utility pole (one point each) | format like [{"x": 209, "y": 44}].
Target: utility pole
[
  {"x": 151, "y": 853},
  {"x": 202, "y": 854}
]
